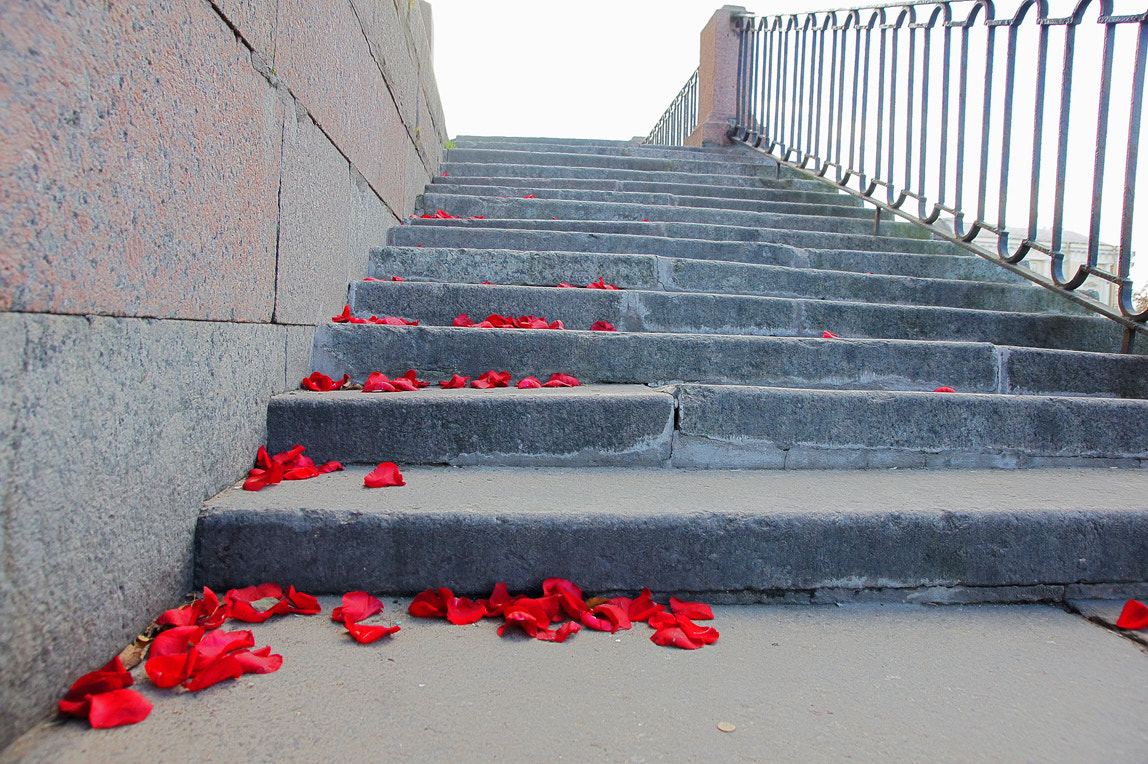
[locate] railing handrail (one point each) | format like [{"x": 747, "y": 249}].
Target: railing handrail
[
  {"x": 849, "y": 96},
  {"x": 680, "y": 119}
]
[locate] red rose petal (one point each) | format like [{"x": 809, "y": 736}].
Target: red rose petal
[
  {"x": 377, "y": 382},
  {"x": 829, "y": 335},
  {"x": 600, "y": 284},
  {"x": 559, "y": 379},
  {"x": 175, "y": 641},
  {"x": 302, "y": 604},
  {"x": 454, "y": 382},
  {"x": 395, "y": 321},
  {"x": 707, "y": 635},
  {"x": 602, "y": 326},
  {"x": 672, "y": 636},
  {"x": 411, "y": 377},
  {"x": 564, "y": 285},
  {"x": 343, "y": 317},
  {"x": 556, "y": 324},
  {"x": 167, "y": 671},
  {"x": 112, "y": 676},
  {"x": 301, "y": 473},
  {"x": 397, "y": 278},
  {"x": 558, "y": 635},
  {"x": 427, "y": 605},
  {"x": 694, "y": 610},
  {"x": 643, "y": 607},
  {"x": 365, "y": 634},
  {"x": 461, "y": 611},
  {"x": 386, "y": 474},
  {"x": 499, "y": 322},
  {"x": 491, "y": 379},
  {"x": 357, "y": 606},
  {"x": 528, "y": 196},
  {"x": 606, "y": 617},
  {"x": 258, "y": 661},
  {"x": 944, "y": 389},
  {"x": 218, "y": 643},
  {"x": 499, "y": 599},
  {"x": 118, "y": 707},
  {"x": 662, "y": 620},
  {"x": 329, "y": 467},
  {"x": 211, "y": 672},
  {"x": 404, "y": 384},
  {"x": 1133, "y": 616},
  {"x": 320, "y": 382},
  {"x": 568, "y": 594},
  {"x": 463, "y": 321},
  {"x": 528, "y": 383}
]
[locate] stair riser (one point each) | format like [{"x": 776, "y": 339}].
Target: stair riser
[
  {"x": 403, "y": 544},
  {"x": 463, "y": 170},
  {"x": 682, "y": 163},
  {"x": 733, "y": 153},
  {"x": 655, "y": 359},
  {"x": 574, "y": 427},
  {"x": 670, "y": 274},
  {"x": 827, "y": 206},
  {"x": 545, "y": 209},
  {"x": 423, "y": 228},
  {"x": 767, "y": 190},
  {"x": 801, "y": 429},
  {"x": 639, "y": 311}
]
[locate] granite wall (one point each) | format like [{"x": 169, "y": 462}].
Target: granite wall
[{"x": 186, "y": 187}]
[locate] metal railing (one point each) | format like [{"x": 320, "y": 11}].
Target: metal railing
[
  {"x": 680, "y": 119},
  {"x": 924, "y": 105}
]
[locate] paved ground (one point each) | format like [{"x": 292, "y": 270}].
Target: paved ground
[{"x": 829, "y": 683}]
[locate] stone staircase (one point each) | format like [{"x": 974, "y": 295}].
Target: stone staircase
[{"x": 730, "y": 270}]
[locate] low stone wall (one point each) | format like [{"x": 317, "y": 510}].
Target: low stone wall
[{"x": 186, "y": 187}]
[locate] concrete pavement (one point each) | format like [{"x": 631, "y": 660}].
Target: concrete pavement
[{"x": 866, "y": 682}]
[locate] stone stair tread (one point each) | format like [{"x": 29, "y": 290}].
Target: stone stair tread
[
  {"x": 766, "y": 189},
  {"x": 657, "y": 359},
  {"x": 464, "y": 169},
  {"x": 636, "y": 310},
  {"x": 729, "y": 164},
  {"x": 731, "y": 534},
  {"x": 673, "y": 274}
]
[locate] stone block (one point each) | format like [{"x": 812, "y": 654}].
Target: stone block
[
  {"x": 324, "y": 58},
  {"x": 123, "y": 427},
  {"x": 255, "y": 20},
  {"x": 315, "y": 204},
  {"x": 385, "y": 31},
  {"x": 370, "y": 219},
  {"x": 141, "y": 153}
]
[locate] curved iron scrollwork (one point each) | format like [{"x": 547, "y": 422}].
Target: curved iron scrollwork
[
  {"x": 678, "y": 121},
  {"x": 941, "y": 107}
]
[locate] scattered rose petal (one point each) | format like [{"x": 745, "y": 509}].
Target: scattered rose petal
[
  {"x": 707, "y": 635},
  {"x": 643, "y": 607},
  {"x": 386, "y": 474},
  {"x": 558, "y": 379},
  {"x": 606, "y": 618},
  {"x": 365, "y": 633},
  {"x": 556, "y": 324},
  {"x": 213, "y": 672},
  {"x": 259, "y": 661},
  {"x": 568, "y": 594},
  {"x": 454, "y": 382},
  {"x": 241, "y": 607},
  {"x": 320, "y": 382},
  {"x": 206, "y": 612},
  {"x": 166, "y": 671},
  {"x": 499, "y": 599},
  {"x": 463, "y": 320},
  {"x": 411, "y": 377},
  {"x": 118, "y": 707},
  {"x": 602, "y": 326},
  {"x": 600, "y": 284},
  {"x": 404, "y": 384},
  {"x": 175, "y": 641},
  {"x": 564, "y": 285},
  {"x": 693, "y": 610},
  {"x": 1133, "y": 616},
  {"x": 829, "y": 335},
  {"x": 944, "y": 389},
  {"x": 528, "y": 383},
  {"x": 528, "y": 196},
  {"x": 112, "y": 676},
  {"x": 558, "y": 635},
  {"x": 329, "y": 467},
  {"x": 397, "y": 278},
  {"x": 442, "y": 215},
  {"x": 357, "y": 606},
  {"x": 672, "y": 636},
  {"x": 427, "y": 605},
  {"x": 300, "y": 603},
  {"x": 461, "y": 611},
  {"x": 491, "y": 379}
]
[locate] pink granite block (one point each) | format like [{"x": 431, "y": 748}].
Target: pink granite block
[
  {"x": 393, "y": 52},
  {"x": 323, "y": 57},
  {"x": 255, "y": 20},
  {"x": 139, "y": 158}
]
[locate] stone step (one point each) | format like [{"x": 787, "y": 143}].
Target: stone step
[
  {"x": 427, "y": 228},
  {"x": 477, "y": 141},
  {"x": 736, "y": 153},
  {"x": 634, "y": 310},
  {"x": 476, "y": 266},
  {"x": 854, "y": 221},
  {"x": 437, "y": 353},
  {"x": 468, "y": 169},
  {"x": 775, "y": 428},
  {"x": 590, "y": 425},
  {"x": 697, "y": 164},
  {"x": 768, "y": 190},
  {"x": 839, "y": 205},
  {"x": 728, "y": 535}
]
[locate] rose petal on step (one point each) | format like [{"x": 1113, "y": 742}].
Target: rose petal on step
[
  {"x": 558, "y": 635},
  {"x": 454, "y": 382},
  {"x": 829, "y": 335},
  {"x": 492, "y": 379},
  {"x": 1133, "y": 616},
  {"x": 556, "y": 324},
  {"x": 662, "y": 620},
  {"x": 301, "y": 473},
  {"x": 343, "y": 317},
  {"x": 300, "y": 603},
  {"x": 461, "y": 611},
  {"x": 396, "y": 321},
  {"x": 528, "y": 196},
  {"x": 558, "y": 379},
  {"x": 175, "y": 641},
  {"x": 208, "y": 673},
  {"x": 329, "y": 467},
  {"x": 564, "y": 285},
  {"x": 111, "y": 676},
  {"x": 167, "y": 671},
  {"x": 707, "y": 635},
  {"x": 377, "y": 382},
  {"x": 411, "y": 377},
  {"x": 696, "y": 611},
  {"x": 291, "y": 458},
  {"x": 602, "y": 326},
  {"x": 118, "y": 707},
  {"x": 600, "y": 284},
  {"x": 427, "y": 605},
  {"x": 527, "y": 383},
  {"x": 499, "y": 322},
  {"x": 673, "y": 636},
  {"x": 606, "y": 617},
  {"x": 386, "y": 474},
  {"x": 643, "y": 607},
  {"x": 568, "y": 594},
  {"x": 357, "y": 606},
  {"x": 499, "y": 599},
  {"x": 259, "y": 661},
  {"x": 404, "y": 384},
  {"x": 397, "y": 278},
  {"x": 319, "y": 382},
  {"x": 364, "y": 634},
  {"x": 218, "y": 643},
  {"x": 240, "y": 607},
  {"x": 463, "y": 320},
  {"x": 944, "y": 389},
  {"x": 484, "y": 325}
]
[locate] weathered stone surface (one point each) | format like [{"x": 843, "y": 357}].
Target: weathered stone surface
[
  {"x": 823, "y": 429},
  {"x": 370, "y": 219},
  {"x": 255, "y": 20},
  {"x": 321, "y": 53},
  {"x": 580, "y": 426},
  {"x": 729, "y": 532},
  {"x": 121, "y": 133},
  {"x": 641, "y": 358},
  {"x": 314, "y": 245},
  {"x": 1027, "y": 371},
  {"x": 116, "y": 431}
]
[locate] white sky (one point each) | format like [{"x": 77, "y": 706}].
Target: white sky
[{"x": 600, "y": 69}]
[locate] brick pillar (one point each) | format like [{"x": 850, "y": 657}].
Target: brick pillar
[{"x": 717, "y": 78}]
